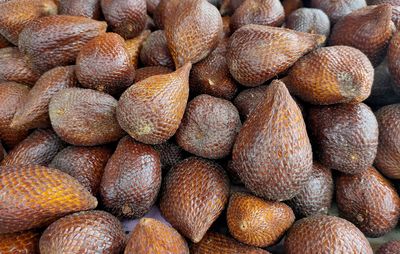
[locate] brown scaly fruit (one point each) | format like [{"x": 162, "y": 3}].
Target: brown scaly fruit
[
  {"x": 164, "y": 10},
  {"x": 84, "y": 232},
  {"x": 247, "y": 100},
  {"x": 151, "y": 110},
  {"x": 145, "y": 238},
  {"x": 282, "y": 156},
  {"x": 259, "y": 53},
  {"x": 85, "y": 8},
  {"x": 4, "y": 43},
  {"x": 209, "y": 127},
  {"x": 147, "y": 72},
  {"x": 131, "y": 179},
  {"x": 26, "y": 242},
  {"x": 170, "y": 155},
  {"x": 39, "y": 148},
  {"x": 369, "y": 201},
  {"x": 155, "y": 51},
  {"x": 345, "y": 135},
  {"x": 228, "y": 7},
  {"x": 393, "y": 63},
  {"x": 391, "y": 247},
  {"x": 35, "y": 196},
  {"x": 325, "y": 234},
  {"x": 195, "y": 193},
  {"x": 193, "y": 32},
  {"x": 256, "y": 222},
  {"x": 56, "y": 40},
  {"x": 134, "y": 46},
  {"x": 34, "y": 112},
  {"x": 309, "y": 20},
  {"x": 395, "y": 10},
  {"x": 330, "y": 75},
  {"x": 125, "y": 17},
  {"x": 85, "y": 164},
  {"x": 291, "y": 5},
  {"x": 104, "y": 64},
  {"x": 151, "y": 5},
  {"x": 84, "y": 117},
  {"x": 338, "y": 8}
]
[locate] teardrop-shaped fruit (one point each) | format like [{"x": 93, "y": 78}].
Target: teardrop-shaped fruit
[
  {"x": 85, "y": 8},
  {"x": 147, "y": 72},
  {"x": 56, "y": 40},
  {"x": 256, "y": 222},
  {"x": 330, "y": 75},
  {"x": 272, "y": 151},
  {"x": 35, "y": 196},
  {"x": 194, "y": 195},
  {"x": 193, "y": 32},
  {"x": 131, "y": 179},
  {"x": 309, "y": 20},
  {"x": 146, "y": 238},
  {"x": 391, "y": 247},
  {"x": 259, "y": 53},
  {"x": 26, "y": 242},
  {"x": 84, "y": 117},
  {"x": 170, "y": 155},
  {"x": 247, "y": 100},
  {"x": 104, "y": 64},
  {"x": 393, "y": 56},
  {"x": 4, "y": 43},
  {"x": 228, "y": 7},
  {"x": 291, "y": 5},
  {"x": 34, "y": 112},
  {"x": 155, "y": 50},
  {"x": 338, "y": 8},
  {"x": 134, "y": 46},
  {"x": 325, "y": 234},
  {"x": 151, "y": 110},
  {"x": 125, "y": 17},
  {"x": 84, "y": 232},
  {"x": 85, "y": 164}
]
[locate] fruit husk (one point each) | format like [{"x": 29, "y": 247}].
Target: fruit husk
[
  {"x": 170, "y": 155},
  {"x": 309, "y": 20},
  {"x": 147, "y": 72},
  {"x": 337, "y": 9},
  {"x": 247, "y": 100},
  {"x": 20, "y": 242},
  {"x": 393, "y": 55},
  {"x": 155, "y": 51},
  {"x": 134, "y": 46},
  {"x": 389, "y": 248},
  {"x": 84, "y": 8}
]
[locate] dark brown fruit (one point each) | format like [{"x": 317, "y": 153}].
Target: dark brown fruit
[
  {"x": 152, "y": 5},
  {"x": 391, "y": 247},
  {"x": 2, "y": 152},
  {"x": 85, "y": 164},
  {"x": 104, "y": 64},
  {"x": 309, "y": 20},
  {"x": 84, "y": 117},
  {"x": 209, "y": 127},
  {"x": 195, "y": 193},
  {"x": 39, "y": 148},
  {"x": 170, "y": 155},
  {"x": 226, "y": 26},
  {"x": 152, "y": 236},
  {"x": 228, "y": 7},
  {"x": 155, "y": 51},
  {"x": 345, "y": 135},
  {"x": 393, "y": 63},
  {"x": 291, "y": 5},
  {"x": 35, "y": 196},
  {"x": 325, "y": 234},
  {"x": 84, "y": 232},
  {"x": 256, "y": 222},
  {"x": 125, "y": 17},
  {"x": 34, "y": 112},
  {"x": 147, "y": 72},
  {"x": 163, "y": 11},
  {"x": 3, "y": 42},
  {"x": 338, "y": 8},
  {"x": 259, "y": 53},
  {"x": 85, "y": 8},
  {"x": 272, "y": 148},
  {"x": 134, "y": 46},
  {"x": 56, "y": 40},
  {"x": 131, "y": 179},
  {"x": 247, "y": 100},
  {"x": 26, "y": 242}
]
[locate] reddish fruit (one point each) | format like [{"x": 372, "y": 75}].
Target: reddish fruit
[
  {"x": 147, "y": 72},
  {"x": 20, "y": 242},
  {"x": 85, "y": 8}
]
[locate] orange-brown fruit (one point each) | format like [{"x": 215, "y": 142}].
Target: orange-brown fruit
[
  {"x": 84, "y": 117},
  {"x": 125, "y": 17},
  {"x": 209, "y": 127},
  {"x": 369, "y": 201},
  {"x": 228, "y": 7},
  {"x": 35, "y": 196},
  {"x": 325, "y": 234},
  {"x": 338, "y": 8},
  {"x": 291, "y": 5},
  {"x": 26, "y": 242},
  {"x": 4, "y": 42},
  {"x": 84, "y": 232},
  {"x": 309, "y": 20},
  {"x": 395, "y": 10},
  {"x": 272, "y": 148},
  {"x": 164, "y": 10},
  {"x": 258, "y": 53},
  {"x": 147, "y": 72},
  {"x": 194, "y": 194},
  {"x": 170, "y": 155},
  {"x": 257, "y": 222},
  {"x": 155, "y": 51},
  {"x": 85, "y": 8},
  {"x": 151, "y": 110},
  {"x": 15, "y": 15},
  {"x": 34, "y": 112},
  {"x": 247, "y": 100},
  {"x": 56, "y": 40},
  {"x": 193, "y": 32},
  {"x": 131, "y": 179},
  {"x": 330, "y": 75},
  {"x": 391, "y": 247},
  {"x": 104, "y": 64},
  {"x": 39, "y": 148},
  {"x": 393, "y": 63},
  {"x": 134, "y": 46},
  {"x": 85, "y": 164},
  {"x": 152, "y": 236}
]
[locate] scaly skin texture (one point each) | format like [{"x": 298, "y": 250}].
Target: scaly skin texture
[
  {"x": 395, "y": 10},
  {"x": 125, "y": 17},
  {"x": 209, "y": 127},
  {"x": 56, "y": 40},
  {"x": 85, "y": 8},
  {"x": 170, "y": 155},
  {"x": 228, "y": 7},
  {"x": 309, "y": 20},
  {"x": 330, "y": 75},
  {"x": 86, "y": 164},
  {"x": 272, "y": 148},
  {"x": 247, "y": 100},
  {"x": 131, "y": 179},
  {"x": 391, "y": 247},
  {"x": 338, "y": 8},
  {"x": 345, "y": 135},
  {"x": 258, "y": 53},
  {"x": 34, "y": 112},
  {"x": 164, "y": 10},
  {"x": 393, "y": 62},
  {"x": 39, "y": 148},
  {"x": 193, "y": 32},
  {"x": 104, "y": 64},
  {"x": 35, "y": 196},
  {"x": 291, "y": 5},
  {"x": 84, "y": 117},
  {"x": 26, "y": 242},
  {"x": 84, "y": 232},
  {"x": 152, "y": 236},
  {"x": 195, "y": 193},
  {"x": 151, "y": 5},
  {"x": 369, "y": 201},
  {"x": 134, "y": 46},
  {"x": 151, "y": 110},
  {"x": 155, "y": 51},
  {"x": 147, "y": 72}
]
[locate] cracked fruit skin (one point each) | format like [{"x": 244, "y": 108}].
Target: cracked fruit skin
[{"x": 26, "y": 242}]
